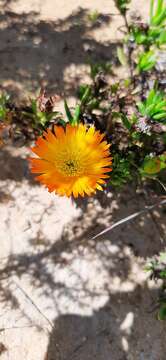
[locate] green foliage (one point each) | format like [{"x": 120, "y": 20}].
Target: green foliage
[
  {"x": 121, "y": 172},
  {"x": 127, "y": 123},
  {"x": 84, "y": 94},
  {"x": 139, "y": 35},
  {"x": 154, "y": 33},
  {"x": 139, "y": 159},
  {"x": 87, "y": 98},
  {"x": 39, "y": 118},
  {"x": 158, "y": 14},
  {"x": 151, "y": 36},
  {"x": 122, "y": 5},
  {"x": 4, "y": 98},
  {"x": 93, "y": 16},
  {"x": 157, "y": 270},
  {"x": 74, "y": 118},
  {"x": 157, "y": 266},
  {"x": 68, "y": 112},
  {"x": 154, "y": 107},
  {"x": 152, "y": 165},
  {"x": 146, "y": 61},
  {"x": 122, "y": 56},
  {"x": 162, "y": 311},
  {"x": 96, "y": 68}
]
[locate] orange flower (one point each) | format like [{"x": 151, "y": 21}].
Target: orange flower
[{"x": 72, "y": 161}]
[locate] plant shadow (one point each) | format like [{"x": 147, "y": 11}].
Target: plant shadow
[
  {"x": 102, "y": 280},
  {"x": 122, "y": 329},
  {"x": 54, "y": 50}
]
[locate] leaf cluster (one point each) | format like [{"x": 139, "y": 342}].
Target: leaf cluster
[
  {"x": 151, "y": 36},
  {"x": 156, "y": 267},
  {"x": 122, "y": 5},
  {"x": 154, "y": 106}
]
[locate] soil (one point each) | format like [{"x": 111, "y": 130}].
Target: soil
[{"x": 63, "y": 295}]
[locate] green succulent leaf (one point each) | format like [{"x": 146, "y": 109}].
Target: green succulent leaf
[
  {"x": 76, "y": 116},
  {"x": 34, "y": 106},
  {"x": 154, "y": 106},
  {"x": 158, "y": 14},
  {"x": 86, "y": 95},
  {"x": 68, "y": 112},
  {"x": 121, "y": 56},
  {"x": 146, "y": 61},
  {"x": 126, "y": 121},
  {"x": 139, "y": 35},
  {"x": 153, "y": 165}
]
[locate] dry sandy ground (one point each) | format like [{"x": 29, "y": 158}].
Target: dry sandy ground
[
  {"x": 63, "y": 295},
  {"x": 50, "y": 42}
]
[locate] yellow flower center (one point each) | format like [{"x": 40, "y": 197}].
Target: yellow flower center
[{"x": 71, "y": 166}]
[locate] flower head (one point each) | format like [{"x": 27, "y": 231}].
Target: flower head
[{"x": 72, "y": 161}]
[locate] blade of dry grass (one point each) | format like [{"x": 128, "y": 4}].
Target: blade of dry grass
[{"x": 129, "y": 218}]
